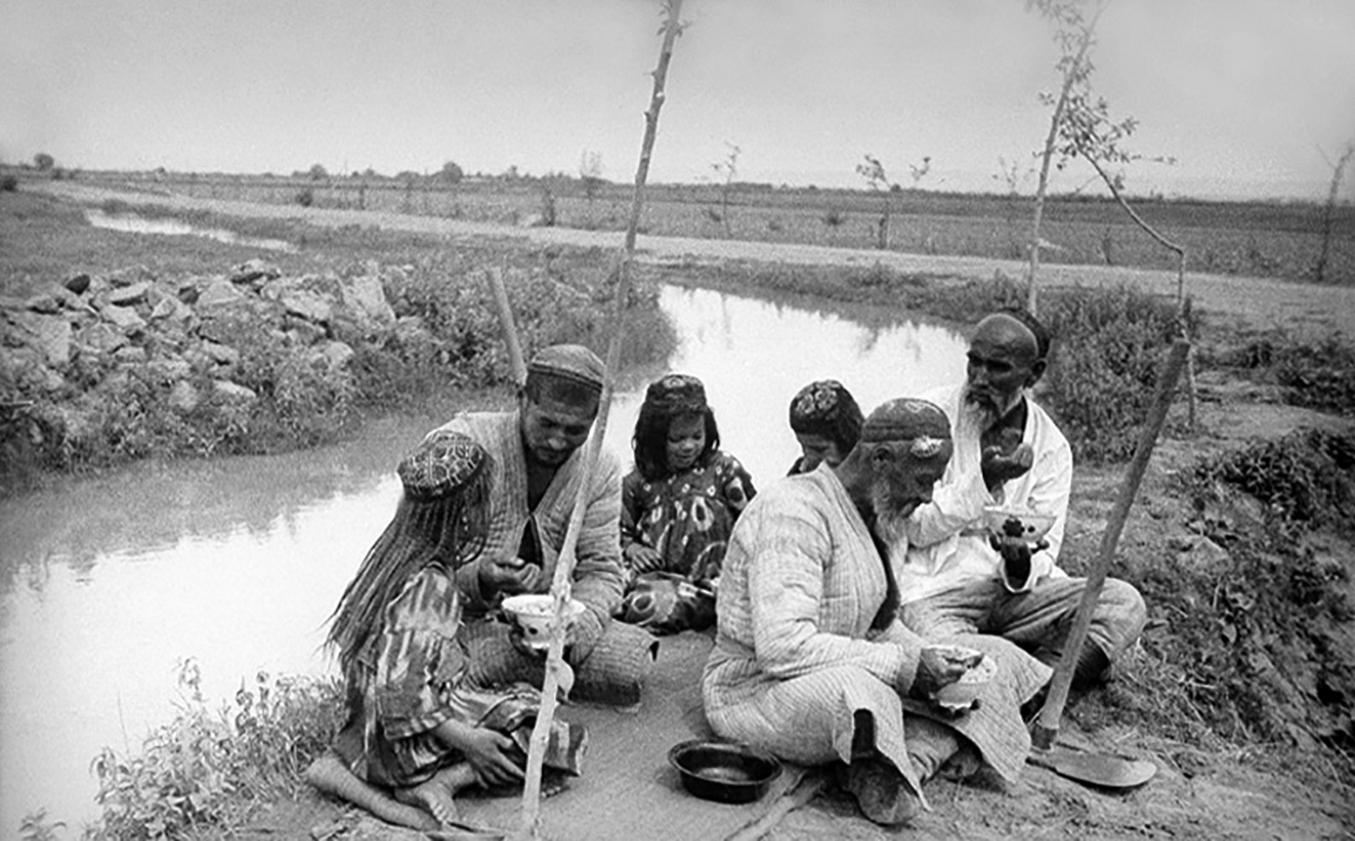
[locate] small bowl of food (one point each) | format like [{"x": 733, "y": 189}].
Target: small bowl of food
[
  {"x": 724, "y": 771},
  {"x": 532, "y": 612},
  {"x": 960, "y": 694},
  {"x": 1017, "y": 523}
]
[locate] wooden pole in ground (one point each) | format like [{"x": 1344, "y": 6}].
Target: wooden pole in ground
[
  {"x": 564, "y": 569},
  {"x": 1046, "y": 729}
]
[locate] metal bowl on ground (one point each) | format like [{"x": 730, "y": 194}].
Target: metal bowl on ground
[{"x": 724, "y": 771}]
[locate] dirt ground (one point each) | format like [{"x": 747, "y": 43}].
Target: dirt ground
[{"x": 1194, "y": 795}]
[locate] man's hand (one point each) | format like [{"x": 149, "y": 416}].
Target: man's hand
[
  {"x": 1016, "y": 554},
  {"x": 508, "y": 575},
  {"x": 1000, "y": 465},
  {"x": 641, "y": 558},
  {"x": 939, "y": 665}
]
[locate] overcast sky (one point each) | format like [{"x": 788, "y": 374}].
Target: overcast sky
[{"x": 1247, "y": 95}]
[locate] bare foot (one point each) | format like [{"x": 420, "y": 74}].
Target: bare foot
[
  {"x": 436, "y": 794},
  {"x": 553, "y": 781}
]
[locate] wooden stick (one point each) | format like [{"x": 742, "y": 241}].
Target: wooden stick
[
  {"x": 1046, "y": 728},
  {"x": 516, "y": 365},
  {"x": 564, "y": 568},
  {"x": 809, "y": 788}
]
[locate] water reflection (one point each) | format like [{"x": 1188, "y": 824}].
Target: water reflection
[
  {"x": 132, "y": 223},
  {"x": 106, "y": 584},
  {"x": 753, "y": 356}
]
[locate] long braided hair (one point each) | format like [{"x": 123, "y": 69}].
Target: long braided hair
[{"x": 442, "y": 520}]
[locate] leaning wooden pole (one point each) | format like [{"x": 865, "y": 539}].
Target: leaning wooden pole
[
  {"x": 1046, "y": 729},
  {"x": 564, "y": 569}
]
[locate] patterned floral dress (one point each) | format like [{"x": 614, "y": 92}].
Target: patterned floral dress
[
  {"x": 687, "y": 518},
  {"x": 415, "y": 675}
]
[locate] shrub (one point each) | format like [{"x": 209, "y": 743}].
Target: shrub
[
  {"x": 1254, "y": 649},
  {"x": 1109, "y": 347},
  {"x": 1319, "y": 373},
  {"x": 213, "y": 768},
  {"x": 9, "y": 183},
  {"x": 304, "y": 197}
]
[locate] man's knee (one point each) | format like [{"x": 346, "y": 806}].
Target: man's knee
[{"x": 1123, "y": 612}]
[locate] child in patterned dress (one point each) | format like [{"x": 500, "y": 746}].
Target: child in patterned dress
[{"x": 678, "y": 507}]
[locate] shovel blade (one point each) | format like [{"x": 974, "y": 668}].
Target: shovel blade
[{"x": 1095, "y": 769}]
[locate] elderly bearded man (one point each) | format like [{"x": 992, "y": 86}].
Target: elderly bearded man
[
  {"x": 810, "y": 661},
  {"x": 537, "y": 465},
  {"x": 1008, "y": 452}
]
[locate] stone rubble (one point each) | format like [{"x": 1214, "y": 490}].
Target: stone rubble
[{"x": 186, "y": 336}]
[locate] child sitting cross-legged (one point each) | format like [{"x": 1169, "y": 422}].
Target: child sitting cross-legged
[{"x": 678, "y": 507}]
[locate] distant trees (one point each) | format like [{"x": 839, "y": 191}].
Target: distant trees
[
  {"x": 1338, "y": 170},
  {"x": 590, "y": 174},
  {"x": 874, "y": 173},
  {"x": 44, "y": 162},
  {"x": 317, "y": 172},
  {"x": 451, "y": 173},
  {"x": 727, "y": 170}
]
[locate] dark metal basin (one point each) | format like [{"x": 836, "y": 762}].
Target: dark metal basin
[{"x": 723, "y": 771}]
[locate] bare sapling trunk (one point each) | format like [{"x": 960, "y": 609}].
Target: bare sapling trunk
[
  {"x": 1070, "y": 75},
  {"x": 1329, "y": 215},
  {"x": 564, "y": 570}
]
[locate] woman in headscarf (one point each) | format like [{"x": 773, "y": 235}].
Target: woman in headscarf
[
  {"x": 827, "y": 423},
  {"x": 418, "y": 724}
]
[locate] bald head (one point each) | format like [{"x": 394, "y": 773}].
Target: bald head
[
  {"x": 1006, "y": 356},
  {"x": 1005, "y": 331}
]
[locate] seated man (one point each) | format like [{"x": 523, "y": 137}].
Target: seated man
[
  {"x": 537, "y": 465},
  {"x": 1007, "y": 452},
  {"x": 810, "y": 661}
]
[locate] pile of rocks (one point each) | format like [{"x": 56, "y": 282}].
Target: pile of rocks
[{"x": 93, "y": 333}]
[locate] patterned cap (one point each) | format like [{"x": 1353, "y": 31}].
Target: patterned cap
[
  {"x": 818, "y": 405},
  {"x": 675, "y": 393},
  {"x": 908, "y": 419},
  {"x": 574, "y": 363},
  {"x": 441, "y": 465}
]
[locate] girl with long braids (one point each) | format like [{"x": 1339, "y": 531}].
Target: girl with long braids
[{"x": 419, "y": 724}]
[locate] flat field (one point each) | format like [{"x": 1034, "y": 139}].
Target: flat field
[{"x": 1260, "y": 239}]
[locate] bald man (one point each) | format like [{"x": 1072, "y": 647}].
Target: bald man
[{"x": 1008, "y": 452}]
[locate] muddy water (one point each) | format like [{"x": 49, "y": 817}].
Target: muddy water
[
  {"x": 107, "y": 584},
  {"x": 132, "y": 223}
]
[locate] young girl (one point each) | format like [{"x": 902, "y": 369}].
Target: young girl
[
  {"x": 678, "y": 507},
  {"x": 419, "y": 725}
]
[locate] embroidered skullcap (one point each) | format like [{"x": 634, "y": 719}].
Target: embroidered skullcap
[
  {"x": 825, "y": 407},
  {"x": 574, "y": 363},
  {"x": 441, "y": 465},
  {"x": 908, "y": 419},
  {"x": 676, "y": 393}
]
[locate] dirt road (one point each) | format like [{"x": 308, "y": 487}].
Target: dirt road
[{"x": 1253, "y": 303}]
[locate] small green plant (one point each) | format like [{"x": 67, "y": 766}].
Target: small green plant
[
  {"x": 36, "y": 827},
  {"x": 213, "y": 768}
]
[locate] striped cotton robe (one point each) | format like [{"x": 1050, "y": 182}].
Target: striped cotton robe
[{"x": 795, "y": 659}]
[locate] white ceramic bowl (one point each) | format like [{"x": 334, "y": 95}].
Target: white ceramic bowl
[
  {"x": 531, "y": 612},
  {"x": 1019, "y": 523},
  {"x": 961, "y": 694}
]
